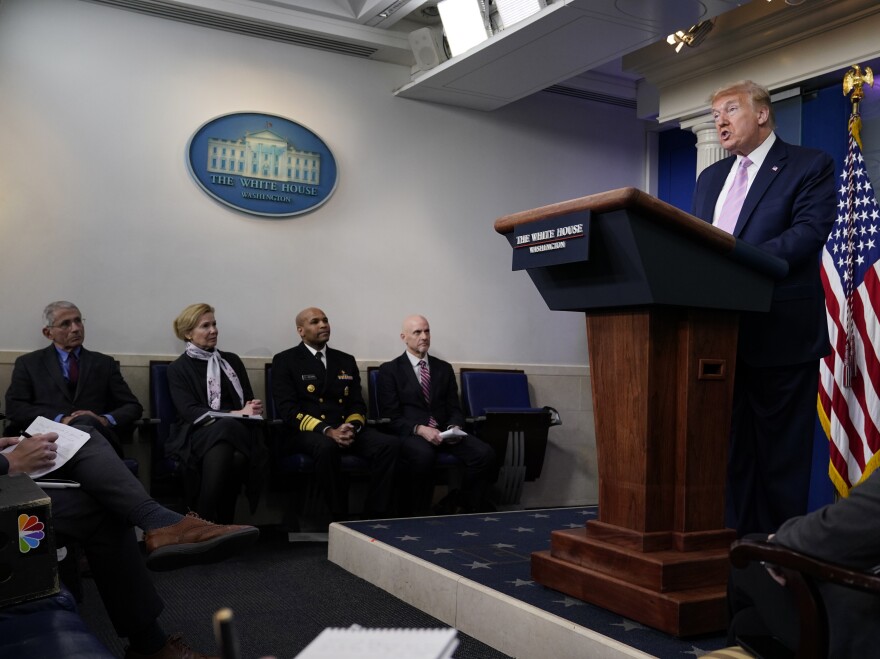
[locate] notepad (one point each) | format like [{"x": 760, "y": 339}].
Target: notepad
[
  {"x": 210, "y": 416},
  {"x": 359, "y": 643},
  {"x": 69, "y": 441}
]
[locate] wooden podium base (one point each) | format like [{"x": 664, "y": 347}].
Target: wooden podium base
[{"x": 679, "y": 592}]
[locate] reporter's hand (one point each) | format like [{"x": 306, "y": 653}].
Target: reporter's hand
[{"x": 31, "y": 454}]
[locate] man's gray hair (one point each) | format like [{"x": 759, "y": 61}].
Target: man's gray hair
[{"x": 53, "y": 308}]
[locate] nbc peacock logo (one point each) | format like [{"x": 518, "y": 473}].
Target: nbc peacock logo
[{"x": 30, "y": 532}]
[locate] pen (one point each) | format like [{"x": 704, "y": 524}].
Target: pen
[{"x": 25, "y": 435}]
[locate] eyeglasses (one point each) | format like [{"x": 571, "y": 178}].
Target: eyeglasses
[{"x": 67, "y": 324}]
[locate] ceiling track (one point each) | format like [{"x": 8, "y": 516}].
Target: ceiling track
[{"x": 239, "y": 25}]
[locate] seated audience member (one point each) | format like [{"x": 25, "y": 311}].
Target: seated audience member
[
  {"x": 101, "y": 514},
  {"x": 317, "y": 393},
  {"x": 845, "y": 533},
  {"x": 418, "y": 393},
  {"x": 69, "y": 384},
  {"x": 221, "y": 454}
]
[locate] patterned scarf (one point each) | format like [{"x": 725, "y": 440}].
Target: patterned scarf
[{"x": 215, "y": 363}]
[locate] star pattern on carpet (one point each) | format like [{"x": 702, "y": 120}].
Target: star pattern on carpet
[
  {"x": 628, "y": 625},
  {"x": 408, "y": 538},
  {"x": 491, "y": 550},
  {"x": 521, "y": 582}
]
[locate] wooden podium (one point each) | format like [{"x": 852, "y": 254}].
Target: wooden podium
[{"x": 662, "y": 291}]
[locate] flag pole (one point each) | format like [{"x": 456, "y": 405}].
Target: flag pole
[{"x": 853, "y": 81}]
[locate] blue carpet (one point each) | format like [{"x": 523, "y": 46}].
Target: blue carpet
[{"x": 494, "y": 550}]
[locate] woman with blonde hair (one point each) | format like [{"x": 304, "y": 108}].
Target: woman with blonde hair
[{"x": 222, "y": 453}]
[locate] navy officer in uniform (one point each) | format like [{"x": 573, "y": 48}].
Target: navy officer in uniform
[{"x": 317, "y": 393}]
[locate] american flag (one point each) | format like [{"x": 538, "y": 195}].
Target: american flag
[{"x": 849, "y": 388}]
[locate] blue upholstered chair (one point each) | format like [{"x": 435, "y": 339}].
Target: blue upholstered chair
[
  {"x": 168, "y": 482},
  {"x": 498, "y": 405},
  {"x": 48, "y": 627}
]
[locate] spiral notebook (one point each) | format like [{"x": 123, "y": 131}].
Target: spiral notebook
[{"x": 361, "y": 643}]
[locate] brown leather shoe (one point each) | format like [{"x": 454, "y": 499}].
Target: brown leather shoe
[
  {"x": 174, "y": 648},
  {"x": 194, "y": 540}
]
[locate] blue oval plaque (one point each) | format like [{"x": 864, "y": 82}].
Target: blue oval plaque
[{"x": 262, "y": 164}]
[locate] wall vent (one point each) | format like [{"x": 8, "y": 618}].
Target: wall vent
[{"x": 229, "y": 23}]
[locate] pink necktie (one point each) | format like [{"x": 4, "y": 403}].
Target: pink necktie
[
  {"x": 735, "y": 198},
  {"x": 425, "y": 381}
]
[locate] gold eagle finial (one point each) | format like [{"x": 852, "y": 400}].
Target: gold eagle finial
[{"x": 854, "y": 79}]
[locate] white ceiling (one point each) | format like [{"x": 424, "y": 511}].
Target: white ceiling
[{"x": 572, "y": 46}]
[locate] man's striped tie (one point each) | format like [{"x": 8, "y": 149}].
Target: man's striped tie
[{"x": 425, "y": 380}]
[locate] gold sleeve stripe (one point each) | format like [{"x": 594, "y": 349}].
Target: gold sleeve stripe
[
  {"x": 307, "y": 423},
  {"x": 359, "y": 418}
]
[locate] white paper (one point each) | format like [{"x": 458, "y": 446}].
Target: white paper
[
  {"x": 453, "y": 435},
  {"x": 69, "y": 441},
  {"x": 359, "y": 643}
]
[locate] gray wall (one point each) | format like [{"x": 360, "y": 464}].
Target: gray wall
[{"x": 96, "y": 204}]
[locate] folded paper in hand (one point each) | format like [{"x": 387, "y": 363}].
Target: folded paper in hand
[{"x": 453, "y": 435}]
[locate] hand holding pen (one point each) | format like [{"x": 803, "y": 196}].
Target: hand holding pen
[{"x": 30, "y": 453}]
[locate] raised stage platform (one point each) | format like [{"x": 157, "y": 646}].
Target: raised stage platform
[{"x": 473, "y": 573}]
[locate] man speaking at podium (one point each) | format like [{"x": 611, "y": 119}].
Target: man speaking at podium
[{"x": 781, "y": 199}]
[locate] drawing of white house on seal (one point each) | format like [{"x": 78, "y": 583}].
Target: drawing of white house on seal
[{"x": 266, "y": 155}]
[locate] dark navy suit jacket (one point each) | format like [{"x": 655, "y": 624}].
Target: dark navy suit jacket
[
  {"x": 401, "y": 400},
  {"x": 312, "y": 401},
  {"x": 789, "y": 212},
  {"x": 38, "y": 388}
]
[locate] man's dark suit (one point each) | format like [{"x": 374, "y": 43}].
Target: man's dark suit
[
  {"x": 38, "y": 388},
  {"x": 401, "y": 400},
  {"x": 311, "y": 399},
  {"x": 843, "y": 532},
  {"x": 97, "y": 515},
  {"x": 789, "y": 211}
]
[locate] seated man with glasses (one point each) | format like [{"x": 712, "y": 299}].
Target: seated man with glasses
[{"x": 67, "y": 383}]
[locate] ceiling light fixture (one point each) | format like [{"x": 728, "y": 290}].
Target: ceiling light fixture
[
  {"x": 464, "y": 24},
  {"x": 692, "y": 38}
]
